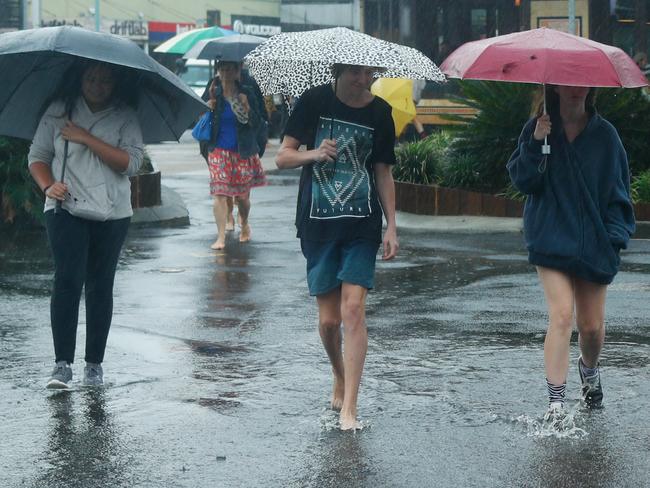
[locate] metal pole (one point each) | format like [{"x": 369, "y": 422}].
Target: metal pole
[
  {"x": 36, "y": 13},
  {"x": 97, "y": 16},
  {"x": 572, "y": 16}
]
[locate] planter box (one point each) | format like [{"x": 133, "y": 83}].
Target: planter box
[
  {"x": 145, "y": 190},
  {"x": 642, "y": 211},
  {"x": 437, "y": 200}
]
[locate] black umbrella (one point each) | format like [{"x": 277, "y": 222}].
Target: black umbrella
[
  {"x": 229, "y": 48},
  {"x": 34, "y": 62}
]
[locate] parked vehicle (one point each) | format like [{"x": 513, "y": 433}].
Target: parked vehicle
[{"x": 196, "y": 73}]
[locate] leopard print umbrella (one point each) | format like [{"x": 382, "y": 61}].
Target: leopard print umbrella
[{"x": 291, "y": 63}]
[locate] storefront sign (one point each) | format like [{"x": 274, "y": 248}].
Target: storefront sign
[
  {"x": 159, "y": 32},
  {"x": 57, "y": 23},
  {"x": 255, "y": 25},
  {"x": 133, "y": 29}
]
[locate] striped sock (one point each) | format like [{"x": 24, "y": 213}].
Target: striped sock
[
  {"x": 555, "y": 392},
  {"x": 588, "y": 372}
]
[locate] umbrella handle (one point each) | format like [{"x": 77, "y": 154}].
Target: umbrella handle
[
  {"x": 57, "y": 208},
  {"x": 546, "y": 149}
]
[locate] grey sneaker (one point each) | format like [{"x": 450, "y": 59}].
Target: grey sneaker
[
  {"x": 93, "y": 375},
  {"x": 61, "y": 376},
  {"x": 592, "y": 389}
]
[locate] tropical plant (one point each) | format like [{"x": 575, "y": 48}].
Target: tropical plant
[
  {"x": 422, "y": 161},
  {"x": 20, "y": 198},
  {"x": 488, "y": 139},
  {"x": 640, "y": 187},
  {"x": 629, "y": 112},
  {"x": 460, "y": 170}
]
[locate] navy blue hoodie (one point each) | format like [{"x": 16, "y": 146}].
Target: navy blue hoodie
[{"x": 578, "y": 213}]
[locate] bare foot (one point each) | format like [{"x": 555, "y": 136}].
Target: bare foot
[
  {"x": 245, "y": 234},
  {"x": 218, "y": 245},
  {"x": 337, "y": 394},
  {"x": 230, "y": 224},
  {"x": 349, "y": 422}
]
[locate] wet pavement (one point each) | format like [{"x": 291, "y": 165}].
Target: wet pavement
[{"x": 216, "y": 376}]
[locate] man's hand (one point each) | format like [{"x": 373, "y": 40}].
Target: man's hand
[
  {"x": 390, "y": 243},
  {"x": 326, "y": 152}
]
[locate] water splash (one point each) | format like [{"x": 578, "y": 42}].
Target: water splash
[
  {"x": 329, "y": 422},
  {"x": 565, "y": 426}
]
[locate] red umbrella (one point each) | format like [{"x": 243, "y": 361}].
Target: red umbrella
[{"x": 544, "y": 56}]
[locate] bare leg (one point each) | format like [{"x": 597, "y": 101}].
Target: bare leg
[
  {"x": 230, "y": 223},
  {"x": 559, "y": 292},
  {"x": 419, "y": 128},
  {"x": 590, "y": 317},
  {"x": 329, "y": 327},
  {"x": 353, "y": 313},
  {"x": 220, "y": 211},
  {"x": 243, "y": 208}
]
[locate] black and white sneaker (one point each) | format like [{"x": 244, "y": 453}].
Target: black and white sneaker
[{"x": 592, "y": 389}]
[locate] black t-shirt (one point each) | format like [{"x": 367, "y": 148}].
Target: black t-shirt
[{"x": 338, "y": 201}]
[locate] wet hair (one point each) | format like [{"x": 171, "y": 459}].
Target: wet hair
[
  {"x": 338, "y": 69},
  {"x": 218, "y": 64},
  {"x": 553, "y": 102},
  {"x": 125, "y": 90}
]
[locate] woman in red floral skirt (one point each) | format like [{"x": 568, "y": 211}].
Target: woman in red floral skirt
[{"x": 232, "y": 153}]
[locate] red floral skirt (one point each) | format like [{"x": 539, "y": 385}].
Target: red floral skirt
[{"x": 232, "y": 175}]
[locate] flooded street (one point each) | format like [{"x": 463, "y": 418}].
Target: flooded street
[{"x": 216, "y": 375}]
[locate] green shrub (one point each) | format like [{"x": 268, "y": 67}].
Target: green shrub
[
  {"x": 512, "y": 193},
  {"x": 461, "y": 170},
  {"x": 487, "y": 140},
  {"x": 640, "y": 187},
  {"x": 628, "y": 111},
  {"x": 20, "y": 198},
  {"x": 421, "y": 161}
]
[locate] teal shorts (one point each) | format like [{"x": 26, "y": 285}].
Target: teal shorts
[{"x": 331, "y": 263}]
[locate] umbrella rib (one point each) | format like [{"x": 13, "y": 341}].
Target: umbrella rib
[
  {"x": 28, "y": 72},
  {"x": 146, "y": 93}
]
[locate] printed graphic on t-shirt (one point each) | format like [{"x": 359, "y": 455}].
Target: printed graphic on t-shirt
[{"x": 342, "y": 188}]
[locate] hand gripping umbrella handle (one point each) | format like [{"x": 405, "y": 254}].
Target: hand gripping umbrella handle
[
  {"x": 57, "y": 208},
  {"x": 546, "y": 149}
]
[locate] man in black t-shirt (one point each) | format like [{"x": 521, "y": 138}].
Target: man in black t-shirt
[{"x": 345, "y": 186}]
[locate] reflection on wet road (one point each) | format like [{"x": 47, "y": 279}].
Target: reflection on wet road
[{"x": 216, "y": 375}]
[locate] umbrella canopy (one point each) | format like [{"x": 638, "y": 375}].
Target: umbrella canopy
[
  {"x": 290, "y": 63},
  {"x": 181, "y": 43},
  {"x": 33, "y": 63},
  {"x": 544, "y": 56},
  {"x": 399, "y": 94},
  {"x": 229, "y": 48}
]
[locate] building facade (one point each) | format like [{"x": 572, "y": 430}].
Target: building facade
[
  {"x": 301, "y": 15},
  {"x": 438, "y": 26},
  {"x": 151, "y": 22}
]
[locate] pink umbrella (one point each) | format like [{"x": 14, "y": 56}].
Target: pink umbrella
[{"x": 544, "y": 56}]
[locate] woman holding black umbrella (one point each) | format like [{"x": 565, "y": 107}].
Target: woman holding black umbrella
[{"x": 91, "y": 134}]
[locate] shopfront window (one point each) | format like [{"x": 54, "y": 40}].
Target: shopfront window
[{"x": 478, "y": 23}]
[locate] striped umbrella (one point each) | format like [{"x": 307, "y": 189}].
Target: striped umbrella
[{"x": 181, "y": 43}]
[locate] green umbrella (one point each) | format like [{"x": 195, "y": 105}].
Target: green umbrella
[{"x": 181, "y": 43}]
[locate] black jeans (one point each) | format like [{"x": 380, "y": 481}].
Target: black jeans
[{"x": 84, "y": 252}]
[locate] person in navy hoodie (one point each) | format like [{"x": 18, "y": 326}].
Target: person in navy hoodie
[{"x": 578, "y": 216}]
